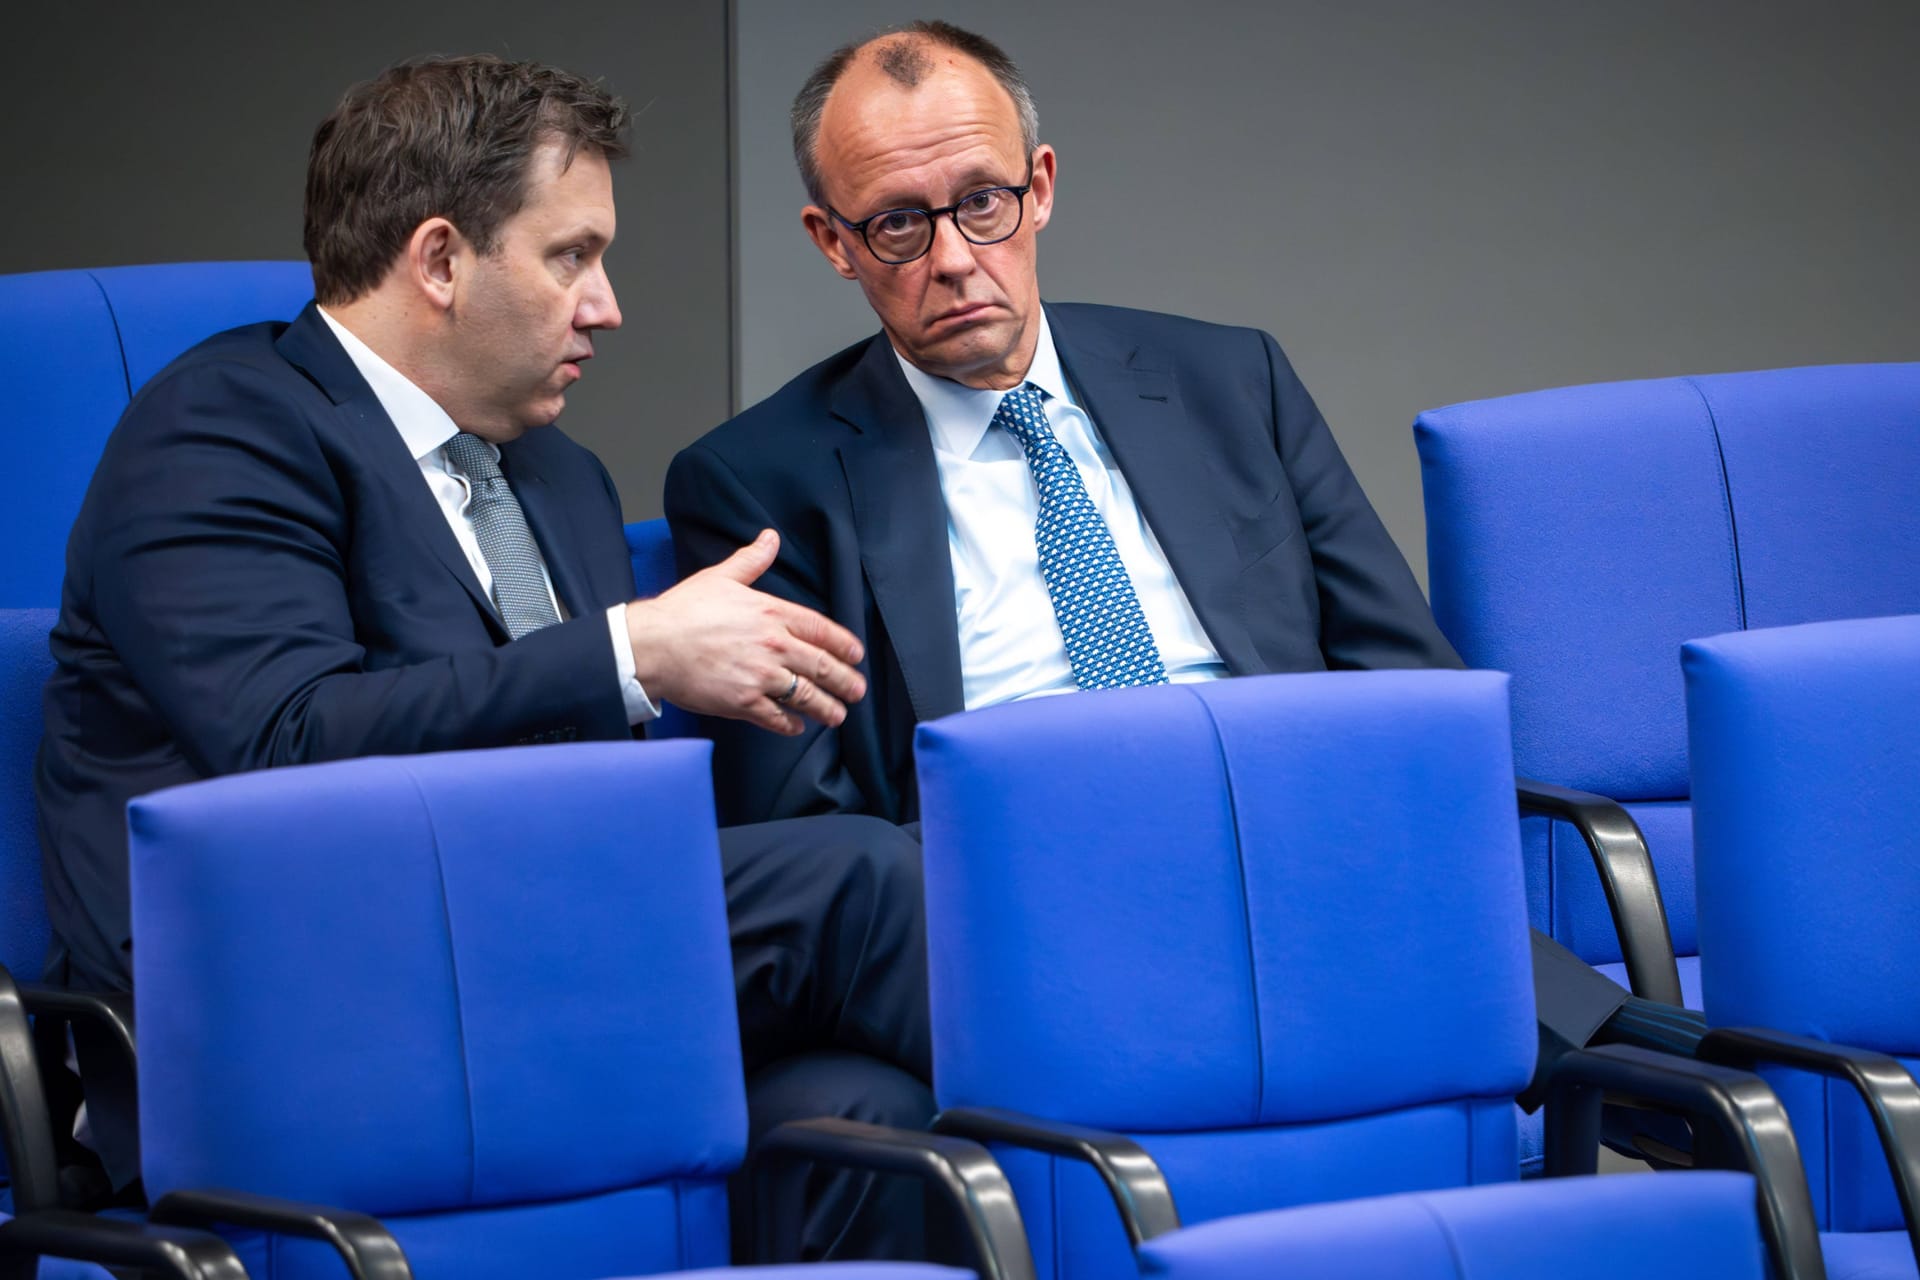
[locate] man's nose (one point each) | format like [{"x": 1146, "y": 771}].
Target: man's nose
[
  {"x": 599, "y": 309},
  {"x": 952, "y": 253}
]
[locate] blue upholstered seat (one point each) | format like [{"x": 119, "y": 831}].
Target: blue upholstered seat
[
  {"x": 1272, "y": 928},
  {"x": 650, "y": 548},
  {"x": 1576, "y": 537},
  {"x": 74, "y": 347},
  {"x": 1676, "y": 1228},
  {"x": 1805, "y": 749},
  {"x": 484, "y": 996}
]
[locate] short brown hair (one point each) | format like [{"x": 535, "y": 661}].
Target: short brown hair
[
  {"x": 905, "y": 62},
  {"x": 438, "y": 137}
]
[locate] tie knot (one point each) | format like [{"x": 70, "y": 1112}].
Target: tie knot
[
  {"x": 1023, "y": 414},
  {"x": 474, "y": 458}
]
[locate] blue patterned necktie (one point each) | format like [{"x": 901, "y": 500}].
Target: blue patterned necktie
[
  {"x": 500, "y": 527},
  {"x": 1108, "y": 642}
]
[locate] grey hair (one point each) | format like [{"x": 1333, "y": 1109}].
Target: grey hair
[{"x": 905, "y": 61}]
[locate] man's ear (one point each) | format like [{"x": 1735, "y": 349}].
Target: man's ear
[
  {"x": 435, "y": 259},
  {"x": 819, "y": 225},
  {"x": 1044, "y": 171}
]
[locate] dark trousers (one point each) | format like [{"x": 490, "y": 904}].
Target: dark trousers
[{"x": 830, "y": 968}]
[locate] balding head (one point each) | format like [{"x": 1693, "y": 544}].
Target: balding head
[{"x": 906, "y": 56}]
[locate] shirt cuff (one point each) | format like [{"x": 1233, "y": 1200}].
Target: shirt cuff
[{"x": 640, "y": 708}]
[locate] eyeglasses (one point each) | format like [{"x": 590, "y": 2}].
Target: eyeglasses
[{"x": 987, "y": 216}]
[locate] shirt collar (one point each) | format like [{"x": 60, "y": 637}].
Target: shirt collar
[
  {"x": 958, "y": 416},
  {"x": 423, "y": 425}
]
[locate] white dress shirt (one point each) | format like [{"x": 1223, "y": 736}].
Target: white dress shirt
[
  {"x": 1010, "y": 644},
  {"x": 425, "y": 428}
]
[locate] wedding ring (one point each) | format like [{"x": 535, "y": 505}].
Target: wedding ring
[{"x": 792, "y": 688}]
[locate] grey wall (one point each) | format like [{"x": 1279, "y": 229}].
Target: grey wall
[
  {"x": 153, "y": 133},
  {"x": 1424, "y": 202}
]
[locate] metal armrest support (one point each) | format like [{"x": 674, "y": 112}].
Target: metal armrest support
[
  {"x": 114, "y": 1242},
  {"x": 1738, "y": 1123},
  {"x": 961, "y": 1172},
  {"x": 1620, "y": 856},
  {"x": 1888, "y": 1089},
  {"x": 23, "y": 1108},
  {"x": 1139, "y": 1190},
  {"x": 367, "y": 1247}
]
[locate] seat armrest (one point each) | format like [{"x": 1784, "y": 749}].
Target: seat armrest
[
  {"x": 110, "y": 1012},
  {"x": 1138, "y": 1187},
  {"x": 115, "y": 1242},
  {"x": 24, "y": 1122},
  {"x": 1738, "y": 1123},
  {"x": 1887, "y": 1087},
  {"x": 961, "y": 1173},
  {"x": 368, "y": 1248},
  {"x": 1620, "y": 856}
]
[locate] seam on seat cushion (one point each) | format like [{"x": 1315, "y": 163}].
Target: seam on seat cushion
[
  {"x": 1246, "y": 909},
  {"x": 126, "y": 373},
  {"x": 1726, "y": 503},
  {"x": 1446, "y": 1234},
  {"x": 459, "y": 1013}
]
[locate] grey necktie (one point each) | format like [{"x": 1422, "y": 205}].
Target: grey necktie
[{"x": 500, "y": 527}]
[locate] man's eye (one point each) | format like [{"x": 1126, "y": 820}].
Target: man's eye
[
  {"x": 981, "y": 201},
  {"x": 895, "y": 224}
]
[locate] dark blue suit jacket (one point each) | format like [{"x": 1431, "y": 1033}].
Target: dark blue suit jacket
[
  {"x": 1272, "y": 539},
  {"x": 260, "y": 576}
]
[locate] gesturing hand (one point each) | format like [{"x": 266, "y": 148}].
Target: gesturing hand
[{"x": 716, "y": 646}]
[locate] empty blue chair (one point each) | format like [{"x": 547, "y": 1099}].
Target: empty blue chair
[
  {"x": 1577, "y": 537},
  {"x": 74, "y": 347},
  {"x": 1271, "y": 930},
  {"x": 1679, "y": 1227},
  {"x": 484, "y": 996},
  {"x": 1805, "y": 748}
]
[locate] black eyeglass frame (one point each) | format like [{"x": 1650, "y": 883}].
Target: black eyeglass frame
[{"x": 933, "y": 217}]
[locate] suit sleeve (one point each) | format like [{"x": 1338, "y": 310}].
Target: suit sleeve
[
  {"x": 758, "y": 776},
  {"x": 1372, "y": 612},
  {"x": 219, "y": 574}
]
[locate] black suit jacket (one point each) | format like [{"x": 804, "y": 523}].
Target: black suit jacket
[
  {"x": 1267, "y": 530},
  {"x": 260, "y": 576}
]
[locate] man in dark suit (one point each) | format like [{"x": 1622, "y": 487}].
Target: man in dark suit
[
  {"x": 359, "y": 534},
  {"x": 1005, "y": 499}
]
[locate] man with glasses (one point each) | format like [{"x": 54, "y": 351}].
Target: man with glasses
[
  {"x": 1006, "y": 500},
  {"x": 936, "y": 486}
]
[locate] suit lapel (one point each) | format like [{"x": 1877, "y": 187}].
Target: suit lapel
[
  {"x": 310, "y": 346},
  {"x": 900, "y": 518},
  {"x": 1134, "y": 400}
]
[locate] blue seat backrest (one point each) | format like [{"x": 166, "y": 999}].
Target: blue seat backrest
[
  {"x": 1806, "y": 752},
  {"x": 478, "y": 992},
  {"x": 24, "y": 666},
  {"x": 1276, "y": 926},
  {"x": 74, "y": 346},
  {"x": 650, "y": 548},
  {"x": 1577, "y": 537}
]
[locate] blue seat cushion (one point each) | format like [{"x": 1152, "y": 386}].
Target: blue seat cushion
[{"x": 1680, "y": 1225}]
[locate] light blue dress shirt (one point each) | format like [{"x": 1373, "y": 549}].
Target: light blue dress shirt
[{"x": 1010, "y": 645}]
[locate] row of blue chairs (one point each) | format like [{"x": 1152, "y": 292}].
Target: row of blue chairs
[{"x": 1248, "y": 1028}]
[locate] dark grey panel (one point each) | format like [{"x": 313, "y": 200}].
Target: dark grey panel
[
  {"x": 148, "y": 133},
  {"x": 1425, "y": 202}
]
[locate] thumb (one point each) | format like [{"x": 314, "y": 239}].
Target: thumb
[{"x": 752, "y": 560}]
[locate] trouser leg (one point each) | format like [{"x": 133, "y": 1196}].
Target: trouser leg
[
  {"x": 816, "y": 1212},
  {"x": 828, "y": 926}
]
